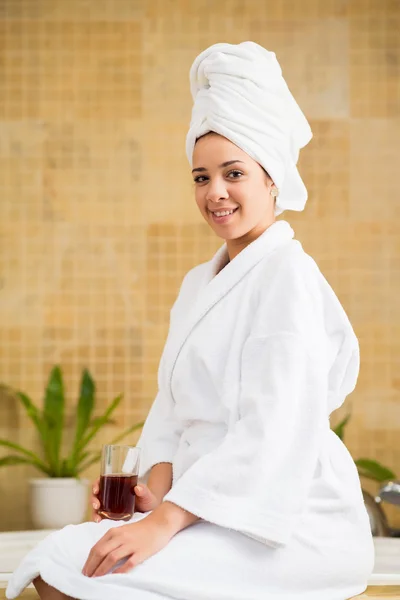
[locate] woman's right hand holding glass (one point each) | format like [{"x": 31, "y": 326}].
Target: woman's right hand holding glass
[{"x": 145, "y": 500}]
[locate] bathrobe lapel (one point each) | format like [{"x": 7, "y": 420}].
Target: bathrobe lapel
[{"x": 216, "y": 285}]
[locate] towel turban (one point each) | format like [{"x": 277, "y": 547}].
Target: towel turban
[{"x": 239, "y": 92}]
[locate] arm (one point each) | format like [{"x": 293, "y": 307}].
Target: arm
[
  {"x": 172, "y": 518},
  {"x": 160, "y": 480}
]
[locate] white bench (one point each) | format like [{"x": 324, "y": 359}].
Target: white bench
[{"x": 13, "y": 546}]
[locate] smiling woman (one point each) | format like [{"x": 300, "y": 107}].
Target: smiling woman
[{"x": 260, "y": 491}]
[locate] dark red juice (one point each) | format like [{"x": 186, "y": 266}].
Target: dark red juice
[{"x": 117, "y": 496}]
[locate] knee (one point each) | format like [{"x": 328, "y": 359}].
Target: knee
[{"x": 47, "y": 592}]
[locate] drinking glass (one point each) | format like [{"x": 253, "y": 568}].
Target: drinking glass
[{"x": 118, "y": 477}]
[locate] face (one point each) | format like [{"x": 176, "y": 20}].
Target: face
[{"x": 226, "y": 179}]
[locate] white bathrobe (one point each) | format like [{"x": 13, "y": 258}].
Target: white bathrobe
[{"x": 258, "y": 356}]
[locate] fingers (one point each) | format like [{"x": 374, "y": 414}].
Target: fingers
[
  {"x": 142, "y": 490},
  {"x": 106, "y": 545},
  {"x": 95, "y": 515},
  {"x": 110, "y": 560},
  {"x": 146, "y": 500},
  {"x": 94, "y": 501},
  {"x": 131, "y": 563}
]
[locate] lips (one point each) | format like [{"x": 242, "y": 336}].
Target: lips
[
  {"x": 225, "y": 218},
  {"x": 224, "y": 209}
]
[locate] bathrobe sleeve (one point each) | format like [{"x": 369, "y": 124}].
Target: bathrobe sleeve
[
  {"x": 160, "y": 435},
  {"x": 257, "y": 480},
  {"x": 162, "y": 430}
]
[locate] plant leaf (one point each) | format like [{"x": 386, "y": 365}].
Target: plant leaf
[
  {"x": 33, "y": 413},
  {"x": 37, "y": 461},
  {"x": 53, "y": 415},
  {"x": 97, "y": 455},
  {"x": 78, "y": 459},
  {"x": 35, "y": 416},
  {"x": 372, "y": 469},
  {"x": 339, "y": 429},
  {"x": 100, "y": 421},
  {"x": 96, "y": 420},
  {"x": 84, "y": 411},
  {"x": 13, "y": 459},
  {"x": 67, "y": 470},
  {"x": 127, "y": 431}
]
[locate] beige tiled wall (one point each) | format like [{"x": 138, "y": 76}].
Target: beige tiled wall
[{"x": 97, "y": 218}]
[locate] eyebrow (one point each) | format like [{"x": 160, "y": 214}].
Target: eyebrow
[{"x": 224, "y": 164}]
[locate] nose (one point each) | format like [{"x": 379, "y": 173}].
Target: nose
[{"x": 216, "y": 191}]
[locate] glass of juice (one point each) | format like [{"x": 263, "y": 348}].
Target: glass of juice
[{"x": 118, "y": 477}]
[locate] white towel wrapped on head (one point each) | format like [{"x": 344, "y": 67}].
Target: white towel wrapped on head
[{"x": 240, "y": 93}]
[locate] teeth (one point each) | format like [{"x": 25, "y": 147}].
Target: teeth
[{"x": 223, "y": 214}]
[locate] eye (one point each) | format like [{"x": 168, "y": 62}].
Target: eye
[
  {"x": 203, "y": 178},
  {"x": 236, "y": 173}
]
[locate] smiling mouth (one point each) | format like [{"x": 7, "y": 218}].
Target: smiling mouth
[{"x": 223, "y": 218}]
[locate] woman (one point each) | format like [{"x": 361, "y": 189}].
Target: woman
[{"x": 250, "y": 495}]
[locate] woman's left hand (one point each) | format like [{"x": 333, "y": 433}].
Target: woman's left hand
[{"x": 136, "y": 542}]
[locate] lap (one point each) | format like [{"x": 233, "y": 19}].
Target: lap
[{"x": 200, "y": 562}]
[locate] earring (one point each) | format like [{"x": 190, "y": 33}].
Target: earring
[{"x": 274, "y": 192}]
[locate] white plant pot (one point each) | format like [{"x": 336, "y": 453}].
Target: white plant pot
[{"x": 58, "y": 501}]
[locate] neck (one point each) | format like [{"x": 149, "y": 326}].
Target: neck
[{"x": 236, "y": 245}]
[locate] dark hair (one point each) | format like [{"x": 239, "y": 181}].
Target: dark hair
[{"x": 215, "y": 133}]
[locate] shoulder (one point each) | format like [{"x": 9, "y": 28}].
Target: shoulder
[
  {"x": 291, "y": 292},
  {"x": 290, "y": 270},
  {"x": 293, "y": 258},
  {"x": 300, "y": 271}
]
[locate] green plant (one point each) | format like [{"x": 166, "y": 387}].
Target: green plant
[
  {"x": 49, "y": 423},
  {"x": 371, "y": 469}
]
